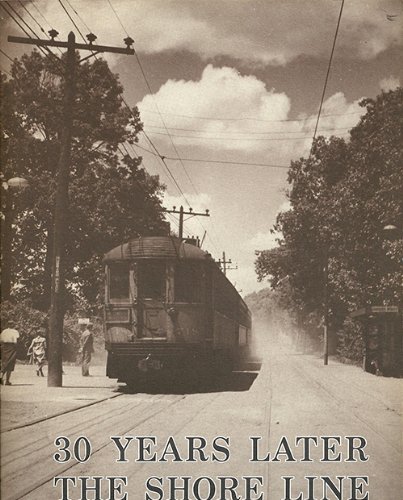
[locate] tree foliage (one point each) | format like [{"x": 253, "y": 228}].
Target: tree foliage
[
  {"x": 111, "y": 196},
  {"x": 342, "y": 196}
]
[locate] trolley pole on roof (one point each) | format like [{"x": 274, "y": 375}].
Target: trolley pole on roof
[
  {"x": 55, "y": 370},
  {"x": 182, "y": 212}
]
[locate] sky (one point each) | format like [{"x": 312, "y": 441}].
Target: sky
[{"x": 227, "y": 81}]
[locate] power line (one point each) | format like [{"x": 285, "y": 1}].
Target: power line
[
  {"x": 173, "y": 220},
  {"x": 152, "y": 94},
  {"x": 123, "y": 100},
  {"x": 211, "y": 118},
  {"x": 20, "y": 18},
  {"x": 241, "y": 134},
  {"x": 228, "y": 162},
  {"x": 36, "y": 21},
  {"x": 240, "y": 139},
  {"x": 117, "y": 17},
  {"x": 32, "y": 17},
  {"x": 40, "y": 13},
  {"x": 163, "y": 122},
  {"x": 145, "y": 134},
  {"x": 78, "y": 15},
  {"x": 8, "y": 57},
  {"x": 73, "y": 22},
  {"x": 328, "y": 72},
  {"x": 46, "y": 52}
]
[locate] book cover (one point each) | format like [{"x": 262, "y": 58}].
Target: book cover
[{"x": 201, "y": 250}]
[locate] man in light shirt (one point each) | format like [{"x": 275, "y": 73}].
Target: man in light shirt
[{"x": 8, "y": 339}]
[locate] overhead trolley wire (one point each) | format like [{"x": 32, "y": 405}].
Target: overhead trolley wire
[
  {"x": 163, "y": 122},
  {"x": 152, "y": 95},
  {"x": 142, "y": 187},
  {"x": 145, "y": 134},
  {"x": 327, "y": 73}
]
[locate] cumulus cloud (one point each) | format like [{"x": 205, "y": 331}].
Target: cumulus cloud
[
  {"x": 237, "y": 104},
  {"x": 243, "y": 115},
  {"x": 389, "y": 83}
]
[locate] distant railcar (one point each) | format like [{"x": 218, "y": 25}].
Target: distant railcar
[{"x": 169, "y": 310}]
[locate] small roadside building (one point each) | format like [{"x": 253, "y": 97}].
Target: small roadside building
[{"x": 383, "y": 339}]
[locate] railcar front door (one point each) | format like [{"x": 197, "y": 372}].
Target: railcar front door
[{"x": 152, "y": 315}]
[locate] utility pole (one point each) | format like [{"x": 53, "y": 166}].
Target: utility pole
[
  {"x": 6, "y": 242},
  {"x": 326, "y": 310},
  {"x": 55, "y": 370},
  {"x": 224, "y": 264},
  {"x": 181, "y": 213}
]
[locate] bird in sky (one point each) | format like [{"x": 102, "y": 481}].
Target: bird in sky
[{"x": 391, "y": 17}]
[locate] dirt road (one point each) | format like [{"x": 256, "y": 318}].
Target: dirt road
[{"x": 239, "y": 439}]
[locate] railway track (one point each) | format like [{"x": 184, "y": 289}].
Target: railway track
[
  {"x": 57, "y": 414},
  {"x": 30, "y": 448},
  {"x": 333, "y": 396},
  {"x": 314, "y": 403},
  {"x": 31, "y": 453}
]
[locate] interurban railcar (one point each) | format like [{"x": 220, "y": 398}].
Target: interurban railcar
[{"x": 170, "y": 310}]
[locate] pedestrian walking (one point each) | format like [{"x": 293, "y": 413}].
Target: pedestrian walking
[
  {"x": 86, "y": 349},
  {"x": 8, "y": 340},
  {"x": 38, "y": 351}
]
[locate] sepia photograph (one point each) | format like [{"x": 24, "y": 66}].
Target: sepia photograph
[{"x": 201, "y": 249}]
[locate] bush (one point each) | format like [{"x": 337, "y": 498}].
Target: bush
[{"x": 351, "y": 344}]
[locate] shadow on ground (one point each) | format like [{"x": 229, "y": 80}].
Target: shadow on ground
[{"x": 234, "y": 382}]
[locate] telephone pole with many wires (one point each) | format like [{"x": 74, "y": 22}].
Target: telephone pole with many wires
[
  {"x": 182, "y": 213},
  {"x": 223, "y": 263},
  {"x": 55, "y": 370}
]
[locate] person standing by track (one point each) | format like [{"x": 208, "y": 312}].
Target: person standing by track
[
  {"x": 38, "y": 351},
  {"x": 8, "y": 339},
  {"x": 86, "y": 349}
]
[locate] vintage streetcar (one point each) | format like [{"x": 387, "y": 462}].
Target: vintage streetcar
[{"x": 171, "y": 312}]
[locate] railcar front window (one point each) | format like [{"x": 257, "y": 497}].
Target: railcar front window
[
  {"x": 188, "y": 283},
  {"x": 118, "y": 282},
  {"x": 152, "y": 280}
]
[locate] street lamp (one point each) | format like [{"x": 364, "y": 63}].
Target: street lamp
[{"x": 14, "y": 184}]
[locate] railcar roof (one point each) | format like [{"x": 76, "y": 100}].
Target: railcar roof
[{"x": 156, "y": 247}]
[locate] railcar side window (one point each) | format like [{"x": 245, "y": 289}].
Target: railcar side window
[
  {"x": 118, "y": 282},
  {"x": 188, "y": 283},
  {"x": 152, "y": 280}
]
